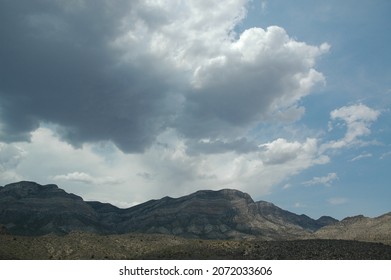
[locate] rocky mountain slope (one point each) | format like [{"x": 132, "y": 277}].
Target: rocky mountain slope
[
  {"x": 27, "y": 208},
  {"x": 359, "y": 228},
  {"x": 209, "y": 214}
]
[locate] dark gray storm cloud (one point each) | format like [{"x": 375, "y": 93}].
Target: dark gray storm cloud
[
  {"x": 126, "y": 71},
  {"x": 57, "y": 66}
]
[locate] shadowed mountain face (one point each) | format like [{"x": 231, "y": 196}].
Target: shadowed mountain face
[{"x": 27, "y": 208}]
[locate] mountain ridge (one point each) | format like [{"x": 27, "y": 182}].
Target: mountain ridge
[
  {"x": 28, "y": 208},
  {"x": 360, "y": 228}
]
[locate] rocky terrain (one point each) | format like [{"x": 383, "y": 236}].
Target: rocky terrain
[
  {"x": 78, "y": 245},
  {"x": 27, "y": 208},
  {"x": 359, "y": 228},
  {"x": 151, "y": 246}
]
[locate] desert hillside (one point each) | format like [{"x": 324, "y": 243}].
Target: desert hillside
[{"x": 152, "y": 246}]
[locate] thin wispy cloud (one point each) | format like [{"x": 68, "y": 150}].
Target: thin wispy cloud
[
  {"x": 337, "y": 200},
  {"x": 362, "y": 156},
  {"x": 325, "y": 180},
  {"x": 264, "y": 6},
  {"x": 385, "y": 155},
  {"x": 299, "y": 205}
]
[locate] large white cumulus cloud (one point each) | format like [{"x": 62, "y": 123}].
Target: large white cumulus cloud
[{"x": 260, "y": 74}]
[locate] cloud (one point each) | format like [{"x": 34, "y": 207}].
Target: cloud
[
  {"x": 255, "y": 172},
  {"x": 262, "y": 73},
  {"x": 299, "y": 205},
  {"x": 325, "y": 180},
  {"x": 86, "y": 178},
  {"x": 281, "y": 151},
  {"x": 59, "y": 66},
  {"x": 95, "y": 172},
  {"x": 385, "y": 155},
  {"x": 145, "y": 175},
  {"x": 106, "y": 173},
  {"x": 365, "y": 155},
  {"x": 241, "y": 145},
  {"x": 264, "y": 6},
  {"x": 337, "y": 200},
  {"x": 127, "y": 72},
  {"x": 357, "y": 119},
  {"x": 10, "y": 157}
]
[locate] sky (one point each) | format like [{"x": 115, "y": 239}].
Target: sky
[{"x": 127, "y": 101}]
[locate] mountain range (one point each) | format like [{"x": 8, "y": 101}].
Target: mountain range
[{"x": 28, "y": 208}]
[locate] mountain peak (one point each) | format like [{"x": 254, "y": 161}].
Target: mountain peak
[
  {"x": 228, "y": 194},
  {"x": 27, "y": 188},
  {"x": 28, "y": 208},
  {"x": 26, "y": 185},
  {"x": 354, "y": 219},
  {"x": 32, "y": 189}
]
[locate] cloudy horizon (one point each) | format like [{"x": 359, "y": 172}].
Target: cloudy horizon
[{"x": 128, "y": 101}]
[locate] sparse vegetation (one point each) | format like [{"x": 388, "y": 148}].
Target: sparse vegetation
[{"x": 78, "y": 245}]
